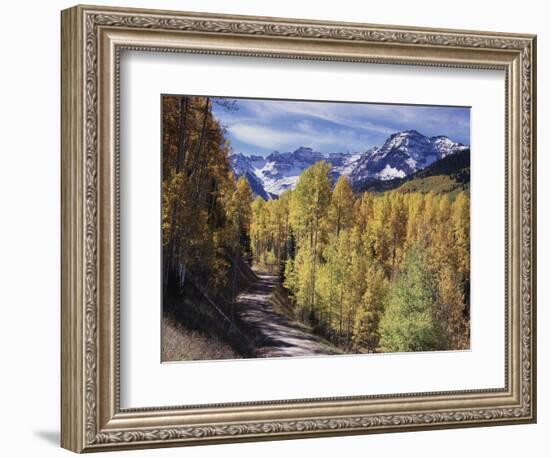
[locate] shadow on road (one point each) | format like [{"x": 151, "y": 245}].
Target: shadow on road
[{"x": 276, "y": 334}]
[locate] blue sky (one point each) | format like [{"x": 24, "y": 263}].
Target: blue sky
[{"x": 261, "y": 126}]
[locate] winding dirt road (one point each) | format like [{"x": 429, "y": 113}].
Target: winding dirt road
[{"x": 276, "y": 334}]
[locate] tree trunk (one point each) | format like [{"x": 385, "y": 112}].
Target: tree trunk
[
  {"x": 341, "y": 313},
  {"x": 316, "y": 230},
  {"x": 201, "y": 138},
  {"x": 198, "y": 187},
  {"x": 314, "y": 268},
  {"x": 182, "y": 139},
  {"x": 233, "y": 287}
]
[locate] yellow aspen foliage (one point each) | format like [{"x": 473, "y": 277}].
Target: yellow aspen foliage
[
  {"x": 344, "y": 260},
  {"x": 340, "y": 213},
  {"x": 366, "y": 330},
  {"x": 370, "y": 271},
  {"x": 461, "y": 229}
]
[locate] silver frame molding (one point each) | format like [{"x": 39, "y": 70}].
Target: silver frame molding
[{"x": 92, "y": 39}]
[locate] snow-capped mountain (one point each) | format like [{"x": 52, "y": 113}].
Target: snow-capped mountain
[
  {"x": 247, "y": 166},
  {"x": 278, "y": 172},
  {"x": 402, "y": 154}
]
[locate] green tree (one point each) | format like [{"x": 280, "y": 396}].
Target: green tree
[{"x": 408, "y": 323}]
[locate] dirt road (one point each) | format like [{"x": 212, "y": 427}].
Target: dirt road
[{"x": 276, "y": 334}]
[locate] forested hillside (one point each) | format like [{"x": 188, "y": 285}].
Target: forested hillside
[
  {"x": 451, "y": 173},
  {"x": 373, "y": 272},
  {"x": 205, "y": 220},
  {"x": 204, "y": 211}
]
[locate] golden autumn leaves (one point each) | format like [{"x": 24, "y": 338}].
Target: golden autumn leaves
[
  {"x": 370, "y": 272},
  {"x": 373, "y": 272}
]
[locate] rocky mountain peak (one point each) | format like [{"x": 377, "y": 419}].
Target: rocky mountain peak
[{"x": 402, "y": 154}]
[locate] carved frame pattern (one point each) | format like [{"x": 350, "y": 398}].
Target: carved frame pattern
[{"x": 89, "y": 21}]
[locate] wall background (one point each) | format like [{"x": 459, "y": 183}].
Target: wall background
[{"x": 29, "y": 242}]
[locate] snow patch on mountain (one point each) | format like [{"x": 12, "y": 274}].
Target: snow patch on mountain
[
  {"x": 389, "y": 173},
  {"x": 402, "y": 154}
]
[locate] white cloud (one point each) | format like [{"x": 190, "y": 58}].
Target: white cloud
[
  {"x": 264, "y": 137},
  {"x": 348, "y": 114},
  {"x": 331, "y": 127}
]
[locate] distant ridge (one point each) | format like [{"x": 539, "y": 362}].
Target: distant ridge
[
  {"x": 455, "y": 168},
  {"x": 402, "y": 155}
]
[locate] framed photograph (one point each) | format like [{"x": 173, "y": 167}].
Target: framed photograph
[{"x": 277, "y": 228}]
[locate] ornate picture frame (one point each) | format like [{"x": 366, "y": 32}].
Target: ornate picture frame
[{"x": 92, "y": 41}]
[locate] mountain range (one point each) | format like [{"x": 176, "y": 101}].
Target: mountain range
[{"x": 402, "y": 155}]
